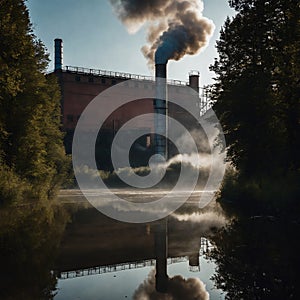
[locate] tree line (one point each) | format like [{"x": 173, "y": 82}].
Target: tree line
[
  {"x": 256, "y": 97},
  {"x": 32, "y": 157}
]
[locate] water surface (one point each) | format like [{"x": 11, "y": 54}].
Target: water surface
[
  {"x": 69, "y": 250},
  {"x": 101, "y": 258}
]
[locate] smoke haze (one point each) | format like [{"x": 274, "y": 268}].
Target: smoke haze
[
  {"x": 207, "y": 220},
  {"x": 178, "y": 288},
  {"x": 174, "y": 27}
]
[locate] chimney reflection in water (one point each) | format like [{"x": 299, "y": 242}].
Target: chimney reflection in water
[{"x": 161, "y": 253}]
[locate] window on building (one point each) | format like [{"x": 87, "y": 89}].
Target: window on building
[
  {"x": 148, "y": 141},
  {"x": 91, "y": 79},
  {"x": 113, "y": 82},
  {"x": 77, "y": 78},
  {"x": 103, "y": 80}
]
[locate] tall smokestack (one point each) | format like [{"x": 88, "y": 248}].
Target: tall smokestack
[
  {"x": 160, "y": 109},
  {"x": 58, "y": 54}
]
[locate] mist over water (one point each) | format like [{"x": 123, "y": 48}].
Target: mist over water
[{"x": 197, "y": 164}]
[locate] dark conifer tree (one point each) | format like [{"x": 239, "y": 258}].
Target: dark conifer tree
[
  {"x": 257, "y": 86},
  {"x": 31, "y": 146}
]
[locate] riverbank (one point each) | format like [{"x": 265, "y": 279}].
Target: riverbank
[{"x": 277, "y": 196}]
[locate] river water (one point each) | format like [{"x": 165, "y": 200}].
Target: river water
[
  {"x": 101, "y": 258},
  {"x": 69, "y": 250}
]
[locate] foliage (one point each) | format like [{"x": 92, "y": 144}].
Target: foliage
[
  {"x": 257, "y": 90},
  {"x": 30, "y": 139},
  {"x": 268, "y": 196},
  {"x": 12, "y": 187}
]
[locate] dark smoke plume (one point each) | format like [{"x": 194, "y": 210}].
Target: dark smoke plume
[{"x": 175, "y": 27}]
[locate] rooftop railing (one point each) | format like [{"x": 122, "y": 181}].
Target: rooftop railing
[
  {"x": 120, "y": 75},
  {"x": 204, "y": 104},
  {"x": 117, "y": 267}
]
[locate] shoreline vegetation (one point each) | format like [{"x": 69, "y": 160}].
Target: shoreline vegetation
[
  {"x": 257, "y": 99},
  {"x": 33, "y": 163},
  {"x": 277, "y": 197}
]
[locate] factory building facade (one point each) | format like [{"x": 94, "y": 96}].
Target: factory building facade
[{"x": 79, "y": 86}]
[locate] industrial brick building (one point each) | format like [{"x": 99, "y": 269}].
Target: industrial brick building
[{"x": 79, "y": 86}]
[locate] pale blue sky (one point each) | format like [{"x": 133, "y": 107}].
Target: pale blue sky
[{"x": 93, "y": 37}]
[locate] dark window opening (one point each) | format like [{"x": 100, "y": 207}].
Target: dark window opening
[
  {"x": 70, "y": 118},
  {"x": 91, "y": 79},
  {"x": 77, "y": 78},
  {"x": 113, "y": 82},
  {"x": 103, "y": 81}
]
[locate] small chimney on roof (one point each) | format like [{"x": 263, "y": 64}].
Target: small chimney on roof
[
  {"x": 194, "y": 80},
  {"x": 58, "y": 54}
]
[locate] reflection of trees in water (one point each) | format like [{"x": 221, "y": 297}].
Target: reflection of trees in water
[
  {"x": 29, "y": 238},
  {"x": 258, "y": 258}
]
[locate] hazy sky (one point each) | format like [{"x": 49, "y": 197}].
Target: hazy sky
[{"x": 93, "y": 37}]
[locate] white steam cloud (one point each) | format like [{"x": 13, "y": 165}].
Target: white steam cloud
[
  {"x": 207, "y": 220},
  {"x": 197, "y": 163},
  {"x": 178, "y": 288},
  {"x": 175, "y": 27}
]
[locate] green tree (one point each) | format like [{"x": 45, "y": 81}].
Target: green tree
[
  {"x": 257, "y": 87},
  {"x": 31, "y": 145}
]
